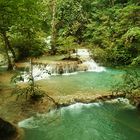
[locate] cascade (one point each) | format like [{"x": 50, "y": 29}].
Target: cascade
[
  {"x": 39, "y": 72},
  {"x": 88, "y": 62},
  {"x": 64, "y": 67},
  {"x": 44, "y": 70},
  {"x": 115, "y": 120}
]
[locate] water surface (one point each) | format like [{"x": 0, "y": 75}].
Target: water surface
[
  {"x": 97, "y": 121},
  {"x": 82, "y": 82}
]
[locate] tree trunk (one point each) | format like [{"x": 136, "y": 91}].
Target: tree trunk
[
  {"x": 112, "y": 3},
  {"x": 53, "y": 32},
  {"x": 9, "y": 45},
  {"x": 10, "y": 65},
  {"x": 12, "y": 50},
  {"x": 32, "y": 78}
]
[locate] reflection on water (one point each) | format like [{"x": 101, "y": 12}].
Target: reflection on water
[{"x": 116, "y": 120}]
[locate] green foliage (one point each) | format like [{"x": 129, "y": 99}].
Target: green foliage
[
  {"x": 20, "y": 21},
  {"x": 99, "y": 54},
  {"x": 7, "y": 14},
  {"x": 136, "y": 61},
  {"x": 113, "y": 26},
  {"x": 131, "y": 38},
  {"x": 67, "y": 44},
  {"x": 28, "y": 49},
  {"x": 117, "y": 56},
  {"x": 72, "y": 18},
  {"x": 29, "y": 92},
  {"x": 130, "y": 85}
]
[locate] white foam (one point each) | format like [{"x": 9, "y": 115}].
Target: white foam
[
  {"x": 93, "y": 66},
  {"x": 119, "y": 100},
  {"x": 39, "y": 73},
  {"x": 83, "y": 52},
  {"x": 67, "y": 74},
  {"x": 80, "y": 105},
  {"x": 43, "y": 72},
  {"x": 124, "y": 101},
  {"x": 28, "y": 123},
  {"x": 38, "y": 119}
]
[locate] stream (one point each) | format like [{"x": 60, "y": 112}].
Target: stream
[
  {"x": 110, "y": 120},
  {"x": 82, "y": 82},
  {"x": 113, "y": 120}
]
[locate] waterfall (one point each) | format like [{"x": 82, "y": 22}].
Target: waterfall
[
  {"x": 43, "y": 71},
  {"x": 93, "y": 66},
  {"x": 62, "y": 68},
  {"x": 83, "y": 53},
  {"x": 39, "y": 72},
  {"x": 88, "y": 62}
]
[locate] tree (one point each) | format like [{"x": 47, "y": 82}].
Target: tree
[
  {"x": 67, "y": 44},
  {"x": 18, "y": 18},
  {"x": 130, "y": 86},
  {"x": 7, "y": 18},
  {"x": 72, "y": 17},
  {"x": 21, "y": 27},
  {"x": 108, "y": 27},
  {"x": 53, "y": 26},
  {"x": 31, "y": 91}
]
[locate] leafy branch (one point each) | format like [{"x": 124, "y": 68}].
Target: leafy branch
[
  {"x": 31, "y": 91},
  {"x": 130, "y": 86}
]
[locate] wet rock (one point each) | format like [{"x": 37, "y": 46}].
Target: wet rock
[
  {"x": 72, "y": 59},
  {"x": 60, "y": 70},
  {"x": 135, "y": 101},
  {"x": 7, "y": 130}
]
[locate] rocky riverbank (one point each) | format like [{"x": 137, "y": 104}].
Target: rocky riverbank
[
  {"x": 72, "y": 99},
  {"x": 16, "y": 110}
]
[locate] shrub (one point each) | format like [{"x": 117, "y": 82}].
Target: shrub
[
  {"x": 28, "y": 49},
  {"x": 130, "y": 85}
]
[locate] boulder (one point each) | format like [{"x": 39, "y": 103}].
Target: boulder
[{"x": 7, "y": 130}]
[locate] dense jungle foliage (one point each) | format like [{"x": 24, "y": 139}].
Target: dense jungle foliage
[{"x": 110, "y": 28}]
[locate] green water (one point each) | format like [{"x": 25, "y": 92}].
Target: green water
[
  {"x": 117, "y": 120},
  {"x": 83, "y": 82},
  {"x": 97, "y": 121}
]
